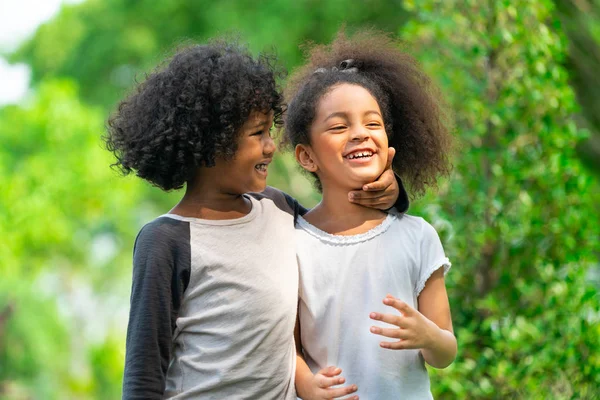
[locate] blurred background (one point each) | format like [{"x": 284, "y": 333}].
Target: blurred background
[{"x": 518, "y": 217}]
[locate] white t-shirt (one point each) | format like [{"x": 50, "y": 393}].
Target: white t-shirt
[{"x": 345, "y": 278}]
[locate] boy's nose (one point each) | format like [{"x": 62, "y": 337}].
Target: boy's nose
[{"x": 269, "y": 147}]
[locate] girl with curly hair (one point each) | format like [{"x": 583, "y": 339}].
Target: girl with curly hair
[
  {"x": 352, "y": 101},
  {"x": 215, "y": 280}
]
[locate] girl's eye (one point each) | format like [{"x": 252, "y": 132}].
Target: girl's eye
[
  {"x": 337, "y": 128},
  {"x": 257, "y": 133}
]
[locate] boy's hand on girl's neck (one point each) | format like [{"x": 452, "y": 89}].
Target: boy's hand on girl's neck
[
  {"x": 361, "y": 210},
  {"x": 381, "y": 194}
]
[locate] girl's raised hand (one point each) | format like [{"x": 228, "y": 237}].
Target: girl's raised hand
[
  {"x": 381, "y": 194},
  {"x": 321, "y": 382},
  {"x": 412, "y": 329}
]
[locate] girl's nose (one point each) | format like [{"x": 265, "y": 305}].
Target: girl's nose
[{"x": 359, "y": 134}]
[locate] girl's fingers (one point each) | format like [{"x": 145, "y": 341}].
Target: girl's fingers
[
  {"x": 399, "y": 305},
  {"x": 393, "y": 333},
  {"x": 399, "y": 345},
  {"x": 391, "y": 319}
]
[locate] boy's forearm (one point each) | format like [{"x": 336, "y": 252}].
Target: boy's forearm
[
  {"x": 303, "y": 376},
  {"x": 442, "y": 351}
]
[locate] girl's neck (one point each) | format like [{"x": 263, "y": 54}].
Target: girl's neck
[
  {"x": 335, "y": 214},
  {"x": 206, "y": 200}
]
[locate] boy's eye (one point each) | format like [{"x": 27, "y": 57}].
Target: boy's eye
[{"x": 259, "y": 133}]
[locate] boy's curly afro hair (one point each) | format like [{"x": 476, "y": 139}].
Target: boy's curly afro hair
[
  {"x": 188, "y": 113},
  {"x": 415, "y": 116}
]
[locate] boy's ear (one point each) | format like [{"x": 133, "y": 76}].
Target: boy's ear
[{"x": 304, "y": 158}]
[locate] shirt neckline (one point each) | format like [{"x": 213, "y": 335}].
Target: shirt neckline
[
  {"x": 347, "y": 239},
  {"x": 221, "y": 222}
]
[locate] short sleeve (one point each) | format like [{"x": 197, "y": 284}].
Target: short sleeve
[{"x": 432, "y": 256}]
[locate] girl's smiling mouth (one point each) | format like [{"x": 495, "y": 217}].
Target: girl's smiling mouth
[{"x": 360, "y": 155}]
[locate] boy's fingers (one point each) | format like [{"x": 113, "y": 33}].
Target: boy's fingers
[
  {"x": 391, "y": 154},
  {"x": 330, "y": 371},
  {"x": 383, "y": 182},
  {"x": 343, "y": 391},
  {"x": 324, "y": 382},
  {"x": 372, "y": 201},
  {"x": 357, "y": 195}
]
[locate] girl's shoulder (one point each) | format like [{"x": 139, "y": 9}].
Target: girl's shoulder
[{"x": 413, "y": 225}]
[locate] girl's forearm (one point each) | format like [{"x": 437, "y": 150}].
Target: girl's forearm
[{"x": 442, "y": 351}]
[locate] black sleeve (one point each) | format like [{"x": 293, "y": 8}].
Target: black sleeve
[
  {"x": 161, "y": 271},
  {"x": 402, "y": 202}
]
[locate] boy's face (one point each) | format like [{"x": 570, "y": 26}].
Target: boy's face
[
  {"x": 247, "y": 171},
  {"x": 349, "y": 145}
]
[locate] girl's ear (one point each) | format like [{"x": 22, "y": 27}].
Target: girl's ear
[{"x": 304, "y": 158}]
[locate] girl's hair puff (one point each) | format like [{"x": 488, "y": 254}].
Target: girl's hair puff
[
  {"x": 415, "y": 116},
  {"x": 189, "y": 112}
]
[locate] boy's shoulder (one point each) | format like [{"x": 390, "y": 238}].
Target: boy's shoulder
[
  {"x": 282, "y": 200},
  {"x": 164, "y": 230}
]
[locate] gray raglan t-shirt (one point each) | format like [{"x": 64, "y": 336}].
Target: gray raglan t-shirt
[{"x": 213, "y": 306}]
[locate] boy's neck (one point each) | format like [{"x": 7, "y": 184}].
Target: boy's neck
[
  {"x": 335, "y": 214},
  {"x": 206, "y": 200}
]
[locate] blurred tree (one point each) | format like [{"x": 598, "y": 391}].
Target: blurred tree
[
  {"x": 581, "y": 22},
  {"x": 104, "y": 44},
  {"x": 520, "y": 213},
  {"x": 67, "y": 225}
]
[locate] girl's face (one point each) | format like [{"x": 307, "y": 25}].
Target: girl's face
[
  {"x": 349, "y": 145},
  {"x": 247, "y": 171}
]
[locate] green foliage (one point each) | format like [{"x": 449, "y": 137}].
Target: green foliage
[
  {"x": 519, "y": 212},
  {"x": 68, "y": 223},
  {"x": 33, "y": 340},
  {"x": 581, "y": 22},
  {"x": 104, "y": 44}
]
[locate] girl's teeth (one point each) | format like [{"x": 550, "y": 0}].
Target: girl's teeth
[{"x": 362, "y": 154}]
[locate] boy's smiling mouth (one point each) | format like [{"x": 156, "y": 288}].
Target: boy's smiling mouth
[{"x": 262, "y": 168}]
